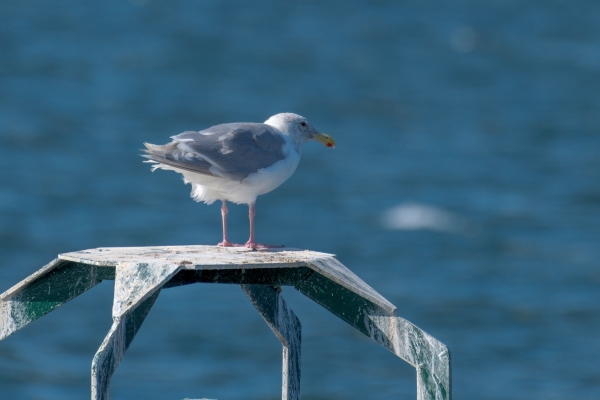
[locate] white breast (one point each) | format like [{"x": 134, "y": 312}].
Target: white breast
[{"x": 208, "y": 188}]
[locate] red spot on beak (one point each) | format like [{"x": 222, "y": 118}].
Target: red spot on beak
[{"x": 329, "y": 145}]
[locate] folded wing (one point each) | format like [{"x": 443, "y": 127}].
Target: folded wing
[{"x": 229, "y": 151}]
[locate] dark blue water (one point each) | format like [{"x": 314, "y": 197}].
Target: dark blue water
[{"x": 464, "y": 187}]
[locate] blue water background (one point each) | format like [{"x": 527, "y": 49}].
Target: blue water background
[{"x": 487, "y": 112}]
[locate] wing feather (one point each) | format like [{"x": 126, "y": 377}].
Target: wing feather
[{"x": 230, "y": 151}]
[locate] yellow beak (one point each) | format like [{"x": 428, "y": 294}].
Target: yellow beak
[{"x": 325, "y": 139}]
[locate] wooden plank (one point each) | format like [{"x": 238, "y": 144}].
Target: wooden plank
[
  {"x": 197, "y": 256},
  {"x": 137, "y": 286},
  {"x": 136, "y": 281},
  {"x": 430, "y": 357},
  {"x": 286, "y": 326},
  {"x": 117, "y": 341},
  {"x": 140, "y": 273},
  {"x": 44, "y": 291}
]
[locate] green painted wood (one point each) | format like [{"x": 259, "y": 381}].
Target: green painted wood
[
  {"x": 286, "y": 326},
  {"x": 137, "y": 286},
  {"x": 51, "y": 287},
  {"x": 241, "y": 276},
  {"x": 141, "y": 272},
  {"x": 115, "y": 344},
  {"x": 430, "y": 357},
  {"x": 346, "y": 304},
  {"x": 137, "y": 281}
]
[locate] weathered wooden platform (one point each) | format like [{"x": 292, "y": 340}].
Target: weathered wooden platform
[{"x": 141, "y": 272}]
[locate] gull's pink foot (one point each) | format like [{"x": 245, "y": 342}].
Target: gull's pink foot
[{"x": 251, "y": 243}]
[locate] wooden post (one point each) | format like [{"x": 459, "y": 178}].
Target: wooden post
[
  {"x": 141, "y": 272},
  {"x": 137, "y": 286},
  {"x": 286, "y": 326}
]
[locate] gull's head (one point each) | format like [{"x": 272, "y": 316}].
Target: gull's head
[{"x": 299, "y": 129}]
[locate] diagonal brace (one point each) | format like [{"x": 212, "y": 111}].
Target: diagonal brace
[
  {"x": 137, "y": 286},
  {"x": 286, "y": 326}
]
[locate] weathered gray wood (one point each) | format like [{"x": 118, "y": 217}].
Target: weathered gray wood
[
  {"x": 47, "y": 289},
  {"x": 430, "y": 357},
  {"x": 117, "y": 341},
  {"x": 196, "y": 257},
  {"x": 142, "y": 271},
  {"x": 137, "y": 286},
  {"x": 353, "y": 303},
  {"x": 286, "y": 326}
]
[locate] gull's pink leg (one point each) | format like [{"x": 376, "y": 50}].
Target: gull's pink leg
[
  {"x": 251, "y": 243},
  {"x": 225, "y": 242}
]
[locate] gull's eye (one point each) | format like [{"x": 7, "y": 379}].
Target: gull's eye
[{"x": 303, "y": 123}]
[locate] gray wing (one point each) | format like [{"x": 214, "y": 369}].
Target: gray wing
[{"x": 231, "y": 151}]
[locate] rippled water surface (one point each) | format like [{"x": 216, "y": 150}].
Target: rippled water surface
[{"x": 464, "y": 187}]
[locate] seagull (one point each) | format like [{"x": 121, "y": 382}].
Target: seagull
[{"x": 237, "y": 162}]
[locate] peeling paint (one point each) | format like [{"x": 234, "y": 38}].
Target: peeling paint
[
  {"x": 286, "y": 326},
  {"x": 141, "y": 272},
  {"x": 135, "y": 282}
]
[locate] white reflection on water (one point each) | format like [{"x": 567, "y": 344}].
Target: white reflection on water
[{"x": 414, "y": 216}]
